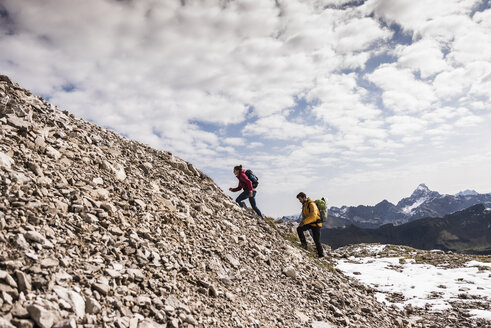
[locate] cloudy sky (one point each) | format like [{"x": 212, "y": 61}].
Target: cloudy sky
[{"x": 358, "y": 101}]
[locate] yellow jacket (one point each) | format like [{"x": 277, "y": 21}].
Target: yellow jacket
[{"x": 310, "y": 213}]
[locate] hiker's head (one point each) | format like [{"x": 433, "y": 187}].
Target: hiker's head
[
  {"x": 302, "y": 197},
  {"x": 237, "y": 169}
]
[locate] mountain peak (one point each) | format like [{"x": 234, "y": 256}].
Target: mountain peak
[
  {"x": 467, "y": 192},
  {"x": 421, "y": 190}
]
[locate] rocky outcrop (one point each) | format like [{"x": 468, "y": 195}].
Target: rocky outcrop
[{"x": 101, "y": 231}]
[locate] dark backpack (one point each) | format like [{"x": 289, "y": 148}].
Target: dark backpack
[{"x": 252, "y": 177}]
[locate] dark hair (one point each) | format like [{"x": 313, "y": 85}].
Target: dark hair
[
  {"x": 238, "y": 168},
  {"x": 301, "y": 195}
]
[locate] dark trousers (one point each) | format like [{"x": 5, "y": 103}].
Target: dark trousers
[
  {"x": 316, "y": 234},
  {"x": 244, "y": 195}
]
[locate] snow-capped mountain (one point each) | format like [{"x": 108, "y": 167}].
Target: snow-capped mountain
[
  {"x": 467, "y": 193},
  {"x": 423, "y": 202},
  {"x": 290, "y": 218}
]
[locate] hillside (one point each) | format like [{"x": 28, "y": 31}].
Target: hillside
[
  {"x": 102, "y": 230},
  {"x": 466, "y": 231}
]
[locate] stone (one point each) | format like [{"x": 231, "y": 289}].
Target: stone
[
  {"x": 22, "y": 323},
  {"x": 67, "y": 323},
  {"x": 100, "y": 194},
  {"x": 5, "y": 276},
  {"x": 5, "y": 324},
  {"x": 53, "y": 153},
  {"x": 102, "y": 288},
  {"x": 233, "y": 260},
  {"x": 115, "y": 230},
  {"x": 98, "y": 181},
  {"x": 140, "y": 203},
  {"x": 21, "y": 242},
  {"x": 146, "y": 167},
  {"x": 42, "y": 317},
  {"x": 5, "y": 161},
  {"x": 24, "y": 281},
  {"x": 77, "y": 303},
  {"x": 92, "y": 306},
  {"x": 109, "y": 207},
  {"x": 49, "y": 262},
  {"x": 190, "y": 319},
  {"x": 18, "y": 122},
  {"x": 149, "y": 323},
  {"x": 322, "y": 324},
  {"x": 116, "y": 169},
  {"x": 290, "y": 272},
  {"x": 40, "y": 142},
  {"x": 34, "y": 236},
  {"x": 19, "y": 311}
]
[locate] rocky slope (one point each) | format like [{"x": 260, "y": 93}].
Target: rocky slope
[{"x": 100, "y": 231}]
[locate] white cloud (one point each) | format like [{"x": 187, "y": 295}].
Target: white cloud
[
  {"x": 234, "y": 141},
  {"x": 359, "y": 34},
  {"x": 468, "y": 121},
  {"x": 342, "y": 102},
  {"x": 402, "y": 92},
  {"x": 424, "y": 56},
  {"x": 471, "y": 80},
  {"x": 278, "y": 127},
  {"x": 406, "y": 126},
  {"x": 416, "y": 15}
]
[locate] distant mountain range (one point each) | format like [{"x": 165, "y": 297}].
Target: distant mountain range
[
  {"x": 466, "y": 231},
  {"x": 422, "y": 203}
]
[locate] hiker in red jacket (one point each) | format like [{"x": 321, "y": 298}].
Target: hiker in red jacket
[{"x": 249, "y": 192}]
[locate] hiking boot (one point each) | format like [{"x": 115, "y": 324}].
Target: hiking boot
[
  {"x": 304, "y": 246},
  {"x": 321, "y": 256}
]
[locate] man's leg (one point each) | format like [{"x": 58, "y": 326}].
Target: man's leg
[
  {"x": 316, "y": 234},
  {"x": 301, "y": 236},
  {"x": 243, "y": 196},
  {"x": 252, "y": 200}
]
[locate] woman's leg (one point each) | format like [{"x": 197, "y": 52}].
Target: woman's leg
[
  {"x": 242, "y": 196},
  {"x": 252, "y": 200}
]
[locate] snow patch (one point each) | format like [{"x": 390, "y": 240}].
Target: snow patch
[
  {"x": 483, "y": 314},
  {"x": 477, "y": 263},
  {"x": 408, "y": 209},
  {"x": 420, "y": 284}
]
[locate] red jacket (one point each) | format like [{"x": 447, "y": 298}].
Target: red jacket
[{"x": 244, "y": 182}]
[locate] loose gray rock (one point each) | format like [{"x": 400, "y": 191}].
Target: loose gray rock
[
  {"x": 67, "y": 323},
  {"x": 92, "y": 306},
  {"x": 42, "y": 317},
  {"x": 148, "y": 323},
  {"x": 5, "y": 324}
]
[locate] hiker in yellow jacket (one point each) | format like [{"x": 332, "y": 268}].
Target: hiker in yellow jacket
[{"x": 311, "y": 220}]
